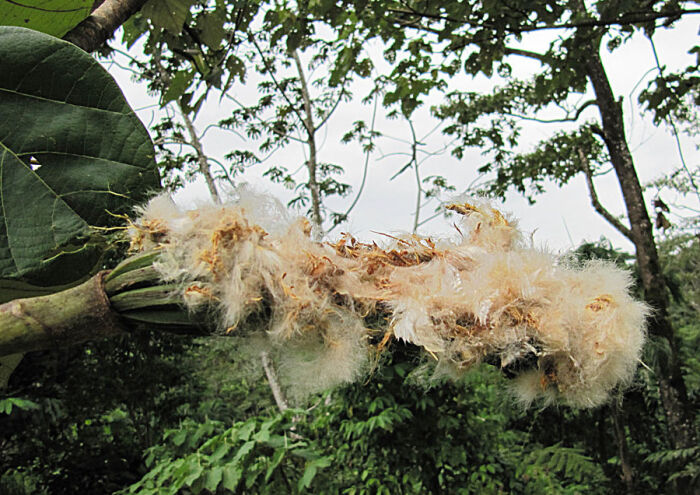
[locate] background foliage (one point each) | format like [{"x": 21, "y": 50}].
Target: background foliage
[{"x": 153, "y": 413}]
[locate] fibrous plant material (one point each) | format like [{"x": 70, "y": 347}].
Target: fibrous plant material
[{"x": 563, "y": 333}]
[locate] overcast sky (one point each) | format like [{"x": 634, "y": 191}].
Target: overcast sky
[{"x": 562, "y": 217}]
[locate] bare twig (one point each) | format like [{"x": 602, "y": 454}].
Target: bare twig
[
  {"x": 414, "y": 160},
  {"x": 277, "y": 393},
  {"x": 202, "y": 159},
  {"x": 271, "y": 375},
  {"x": 292, "y": 106},
  {"x": 542, "y": 58},
  {"x": 262, "y": 121},
  {"x": 368, "y": 152},
  {"x": 670, "y": 122}
]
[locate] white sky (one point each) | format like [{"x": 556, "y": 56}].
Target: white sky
[{"x": 562, "y": 217}]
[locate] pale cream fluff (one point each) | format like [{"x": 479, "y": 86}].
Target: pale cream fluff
[{"x": 482, "y": 294}]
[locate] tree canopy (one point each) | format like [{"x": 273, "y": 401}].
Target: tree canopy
[{"x": 69, "y": 141}]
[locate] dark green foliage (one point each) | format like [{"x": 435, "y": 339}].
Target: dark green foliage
[
  {"x": 97, "y": 407},
  {"x": 157, "y": 414},
  {"x": 674, "y": 96},
  {"x": 681, "y": 258},
  {"x": 388, "y": 435},
  {"x": 259, "y": 455},
  {"x": 68, "y": 140},
  {"x": 161, "y": 412}
]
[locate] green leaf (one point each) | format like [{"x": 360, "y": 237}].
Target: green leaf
[
  {"x": 276, "y": 459},
  {"x": 34, "y": 229},
  {"x": 133, "y": 28},
  {"x": 244, "y": 432},
  {"x": 195, "y": 471},
  {"x": 70, "y": 142},
  {"x": 168, "y": 14},
  {"x": 180, "y": 437},
  {"x": 307, "y": 478},
  {"x": 211, "y": 28},
  {"x": 245, "y": 449},
  {"x": 231, "y": 477},
  {"x": 178, "y": 85},
  {"x": 213, "y": 478},
  {"x": 6, "y": 405},
  {"x": 311, "y": 470},
  {"x": 220, "y": 452},
  {"x": 54, "y": 17}
]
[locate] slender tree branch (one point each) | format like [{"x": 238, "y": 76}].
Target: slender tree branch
[
  {"x": 292, "y": 106},
  {"x": 332, "y": 110},
  {"x": 202, "y": 159},
  {"x": 568, "y": 118},
  {"x": 226, "y": 176},
  {"x": 414, "y": 160},
  {"x": 99, "y": 26},
  {"x": 265, "y": 123},
  {"x": 540, "y": 57},
  {"x": 275, "y": 387},
  {"x": 337, "y": 102},
  {"x": 368, "y": 152},
  {"x": 306, "y": 97},
  {"x": 625, "y": 19},
  {"x": 622, "y": 449},
  {"x": 595, "y": 129},
  {"x": 619, "y": 226},
  {"x": 311, "y": 143},
  {"x": 670, "y": 122}
]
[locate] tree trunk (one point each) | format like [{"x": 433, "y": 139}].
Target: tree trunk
[
  {"x": 672, "y": 387},
  {"x": 623, "y": 451}
]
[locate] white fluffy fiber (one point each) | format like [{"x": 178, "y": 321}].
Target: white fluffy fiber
[{"x": 483, "y": 294}]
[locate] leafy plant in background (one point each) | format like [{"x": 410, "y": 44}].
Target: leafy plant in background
[
  {"x": 189, "y": 58},
  {"x": 387, "y": 434}
]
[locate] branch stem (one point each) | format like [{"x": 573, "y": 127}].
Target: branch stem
[
  {"x": 595, "y": 202},
  {"x": 68, "y": 317},
  {"x": 100, "y": 25}
]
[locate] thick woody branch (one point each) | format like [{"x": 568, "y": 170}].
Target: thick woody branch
[
  {"x": 69, "y": 317},
  {"x": 97, "y": 28},
  {"x": 602, "y": 211}
]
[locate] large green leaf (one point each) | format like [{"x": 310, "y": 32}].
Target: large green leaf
[
  {"x": 72, "y": 154},
  {"x": 55, "y": 17},
  {"x": 167, "y": 14}
]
